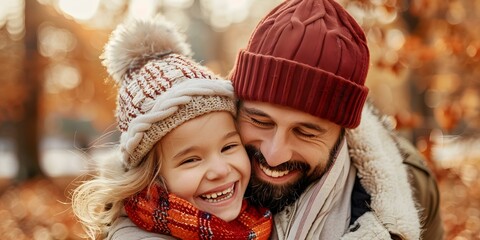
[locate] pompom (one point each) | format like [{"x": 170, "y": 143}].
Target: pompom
[{"x": 136, "y": 40}]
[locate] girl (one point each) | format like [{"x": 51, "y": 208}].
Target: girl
[{"x": 181, "y": 169}]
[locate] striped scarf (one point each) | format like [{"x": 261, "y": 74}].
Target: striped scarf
[
  {"x": 323, "y": 210},
  {"x": 154, "y": 210}
]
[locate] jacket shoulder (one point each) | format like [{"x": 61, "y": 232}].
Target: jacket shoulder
[
  {"x": 124, "y": 229},
  {"x": 425, "y": 189},
  {"x": 412, "y": 157}
]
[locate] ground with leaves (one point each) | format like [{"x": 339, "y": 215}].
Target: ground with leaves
[{"x": 38, "y": 210}]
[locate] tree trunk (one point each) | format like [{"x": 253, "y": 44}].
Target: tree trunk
[{"x": 27, "y": 129}]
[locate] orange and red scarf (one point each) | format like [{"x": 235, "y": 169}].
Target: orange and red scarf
[{"x": 157, "y": 211}]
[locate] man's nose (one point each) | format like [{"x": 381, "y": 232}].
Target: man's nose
[
  {"x": 217, "y": 168},
  {"x": 276, "y": 149}
]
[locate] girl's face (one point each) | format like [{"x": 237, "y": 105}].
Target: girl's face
[{"x": 204, "y": 162}]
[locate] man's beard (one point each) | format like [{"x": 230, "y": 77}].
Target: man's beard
[{"x": 276, "y": 197}]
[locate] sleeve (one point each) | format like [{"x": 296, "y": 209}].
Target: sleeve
[
  {"x": 367, "y": 227},
  {"x": 124, "y": 229}
]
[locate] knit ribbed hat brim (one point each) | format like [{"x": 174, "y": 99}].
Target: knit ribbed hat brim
[
  {"x": 196, "y": 107},
  {"x": 284, "y": 82}
]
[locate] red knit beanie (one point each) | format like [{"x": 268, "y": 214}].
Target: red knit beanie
[{"x": 310, "y": 55}]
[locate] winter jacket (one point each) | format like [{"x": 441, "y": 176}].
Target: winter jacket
[
  {"x": 395, "y": 195},
  {"x": 422, "y": 181}
]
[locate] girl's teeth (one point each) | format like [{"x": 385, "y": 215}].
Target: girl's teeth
[
  {"x": 273, "y": 173},
  {"x": 213, "y": 196}
]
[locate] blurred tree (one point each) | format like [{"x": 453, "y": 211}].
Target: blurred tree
[
  {"x": 442, "y": 50},
  {"x": 26, "y": 134}
]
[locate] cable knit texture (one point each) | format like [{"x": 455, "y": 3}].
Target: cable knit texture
[{"x": 160, "y": 86}]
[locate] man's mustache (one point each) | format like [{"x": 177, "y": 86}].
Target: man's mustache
[{"x": 255, "y": 154}]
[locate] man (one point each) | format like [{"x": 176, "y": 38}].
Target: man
[{"x": 325, "y": 163}]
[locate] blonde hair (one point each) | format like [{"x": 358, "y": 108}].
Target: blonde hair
[{"x": 97, "y": 202}]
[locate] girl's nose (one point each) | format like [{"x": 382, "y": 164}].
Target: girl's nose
[{"x": 218, "y": 168}]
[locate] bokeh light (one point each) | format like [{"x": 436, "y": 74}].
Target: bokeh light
[
  {"x": 55, "y": 42},
  {"x": 142, "y": 8},
  {"x": 81, "y": 10}
]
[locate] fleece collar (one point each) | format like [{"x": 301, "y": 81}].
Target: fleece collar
[{"x": 382, "y": 173}]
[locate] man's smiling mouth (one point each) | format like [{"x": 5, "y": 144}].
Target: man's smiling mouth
[{"x": 273, "y": 173}]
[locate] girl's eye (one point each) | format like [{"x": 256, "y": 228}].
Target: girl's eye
[
  {"x": 228, "y": 147},
  {"x": 189, "y": 160}
]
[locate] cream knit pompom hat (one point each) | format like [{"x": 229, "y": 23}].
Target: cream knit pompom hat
[{"x": 160, "y": 86}]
